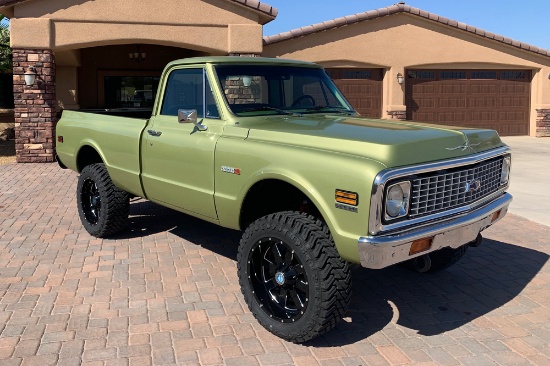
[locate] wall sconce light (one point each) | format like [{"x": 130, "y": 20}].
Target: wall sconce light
[
  {"x": 137, "y": 56},
  {"x": 400, "y": 78},
  {"x": 247, "y": 80},
  {"x": 30, "y": 74}
]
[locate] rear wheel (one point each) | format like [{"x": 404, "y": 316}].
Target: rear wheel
[
  {"x": 292, "y": 277},
  {"x": 103, "y": 208}
]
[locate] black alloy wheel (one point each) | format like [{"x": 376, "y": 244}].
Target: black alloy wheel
[
  {"x": 91, "y": 201},
  {"x": 293, "y": 279},
  {"x": 278, "y": 279}
]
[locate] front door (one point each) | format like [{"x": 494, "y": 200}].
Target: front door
[{"x": 178, "y": 159}]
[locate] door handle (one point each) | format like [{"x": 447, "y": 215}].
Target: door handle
[{"x": 154, "y": 133}]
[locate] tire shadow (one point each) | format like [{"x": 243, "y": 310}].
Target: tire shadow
[{"x": 485, "y": 279}]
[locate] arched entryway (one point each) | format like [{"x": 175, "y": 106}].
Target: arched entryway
[{"x": 80, "y": 54}]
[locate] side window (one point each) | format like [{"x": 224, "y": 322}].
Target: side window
[{"x": 185, "y": 89}]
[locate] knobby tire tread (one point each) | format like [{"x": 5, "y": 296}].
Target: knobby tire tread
[
  {"x": 334, "y": 273},
  {"x": 115, "y": 207}
]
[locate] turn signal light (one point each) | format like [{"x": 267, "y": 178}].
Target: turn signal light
[
  {"x": 349, "y": 198},
  {"x": 421, "y": 245}
]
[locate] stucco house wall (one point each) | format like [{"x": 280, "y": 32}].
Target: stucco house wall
[
  {"x": 402, "y": 40},
  {"x": 71, "y": 42}
]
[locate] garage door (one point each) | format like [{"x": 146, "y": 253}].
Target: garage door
[
  {"x": 362, "y": 88},
  {"x": 496, "y": 99}
]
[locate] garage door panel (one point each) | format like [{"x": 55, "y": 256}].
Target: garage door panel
[
  {"x": 453, "y": 89},
  {"x": 476, "y": 88},
  {"x": 451, "y": 117},
  {"x": 452, "y": 102},
  {"x": 362, "y": 88},
  {"x": 497, "y": 99},
  {"x": 483, "y": 102}
]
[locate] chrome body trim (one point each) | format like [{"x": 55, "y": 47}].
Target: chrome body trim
[
  {"x": 376, "y": 226},
  {"x": 384, "y": 250}
]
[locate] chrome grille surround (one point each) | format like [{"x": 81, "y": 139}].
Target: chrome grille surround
[{"x": 436, "y": 189}]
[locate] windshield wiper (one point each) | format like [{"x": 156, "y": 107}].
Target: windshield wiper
[
  {"x": 326, "y": 108},
  {"x": 266, "y": 108}
]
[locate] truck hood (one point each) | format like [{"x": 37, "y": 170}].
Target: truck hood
[{"x": 392, "y": 143}]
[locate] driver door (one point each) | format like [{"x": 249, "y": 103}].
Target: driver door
[{"x": 178, "y": 158}]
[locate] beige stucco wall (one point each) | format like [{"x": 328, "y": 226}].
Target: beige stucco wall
[
  {"x": 403, "y": 41},
  {"x": 214, "y": 26}
]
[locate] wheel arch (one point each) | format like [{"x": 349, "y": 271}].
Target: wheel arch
[
  {"x": 88, "y": 154},
  {"x": 284, "y": 195}
]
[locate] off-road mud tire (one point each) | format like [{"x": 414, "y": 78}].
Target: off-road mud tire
[
  {"x": 312, "y": 248},
  {"x": 111, "y": 205}
]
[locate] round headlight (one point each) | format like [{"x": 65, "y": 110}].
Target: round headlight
[{"x": 395, "y": 201}]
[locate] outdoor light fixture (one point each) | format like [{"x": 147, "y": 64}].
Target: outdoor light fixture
[
  {"x": 247, "y": 80},
  {"x": 137, "y": 56},
  {"x": 30, "y": 74},
  {"x": 400, "y": 78}
]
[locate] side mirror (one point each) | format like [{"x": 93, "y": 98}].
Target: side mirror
[{"x": 190, "y": 115}]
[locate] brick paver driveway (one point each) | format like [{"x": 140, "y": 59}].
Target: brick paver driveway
[{"x": 166, "y": 292}]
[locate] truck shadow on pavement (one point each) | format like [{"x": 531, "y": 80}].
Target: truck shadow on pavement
[{"x": 428, "y": 304}]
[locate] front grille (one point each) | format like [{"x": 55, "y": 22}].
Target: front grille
[{"x": 443, "y": 190}]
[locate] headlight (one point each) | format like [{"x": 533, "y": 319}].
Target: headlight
[
  {"x": 397, "y": 200},
  {"x": 505, "y": 172}
]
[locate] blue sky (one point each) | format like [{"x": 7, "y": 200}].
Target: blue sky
[{"x": 524, "y": 21}]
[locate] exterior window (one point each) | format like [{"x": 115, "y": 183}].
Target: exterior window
[
  {"x": 452, "y": 75},
  {"x": 484, "y": 75},
  {"x": 513, "y": 75},
  {"x": 130, "y": 91},
  {"x": 189, "y": 89},
  {"x": 421, "y": 74},
  {"x": 356, "y": 74}
]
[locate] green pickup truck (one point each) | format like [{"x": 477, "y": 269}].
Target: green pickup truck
[{"x": 271, "y": 147}]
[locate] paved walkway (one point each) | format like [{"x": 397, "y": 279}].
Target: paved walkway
[
  {"x": 530, "y": 184},
  {"x": 166, "y": 292}
]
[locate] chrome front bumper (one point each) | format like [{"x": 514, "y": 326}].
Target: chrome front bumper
[{"x": 384, "y": 250}]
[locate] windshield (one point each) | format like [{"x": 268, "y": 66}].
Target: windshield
[{"x": 253, "y": 90}]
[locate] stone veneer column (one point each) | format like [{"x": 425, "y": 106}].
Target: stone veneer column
[
  {"x": 398, "y": 115},
  {"x": 35, "y": 106},
  {"x": 543, "y": 122}
]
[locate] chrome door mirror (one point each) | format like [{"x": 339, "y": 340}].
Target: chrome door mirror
[{"x": 190, "y": 115}]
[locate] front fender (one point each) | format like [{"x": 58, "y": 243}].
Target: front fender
[{"x": 316, "y": 173}]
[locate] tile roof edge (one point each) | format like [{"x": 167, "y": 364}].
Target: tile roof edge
[
  {"x": 253, "y": 4},
  {"x": 399, "y": 8}
]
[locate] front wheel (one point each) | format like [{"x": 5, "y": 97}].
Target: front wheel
[
  {"x": 103, "y": 208},
  {"x": 292, "y": 277}
]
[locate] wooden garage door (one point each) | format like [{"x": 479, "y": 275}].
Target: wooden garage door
[
  {"x": 496, "y": 99},
  {"x": 362, "y": 88}
]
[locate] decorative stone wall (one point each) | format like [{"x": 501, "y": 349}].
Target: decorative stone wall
[
  {"x": 237, "y": 93},
  {"x": 543, "y": 122},
  {"x": 398, "y": 115},
  {"x": 245, "y": 54},
  {"x": 35, "y": 106}
]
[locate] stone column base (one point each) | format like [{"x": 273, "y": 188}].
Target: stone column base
[
  {"x": 398, "y": 115},
  {"x": 543, "y": 123},
  {"x": 35, "y": 106}
]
